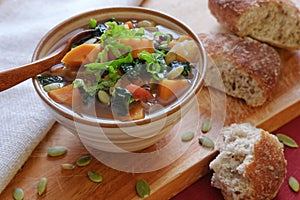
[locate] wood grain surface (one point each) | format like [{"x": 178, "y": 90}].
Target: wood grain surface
[{"x": 166, "y": 182}]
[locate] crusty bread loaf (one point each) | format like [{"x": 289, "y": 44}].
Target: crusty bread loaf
[
  {"x": 251, "y": 164},
  {"x": 276, "y": 22},
  {"x": 249, "y": 68}
]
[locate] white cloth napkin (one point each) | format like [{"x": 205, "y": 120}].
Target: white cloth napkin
[{"x": 24, "y": 120}]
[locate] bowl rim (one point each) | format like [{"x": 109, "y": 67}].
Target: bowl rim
[{"x": 176, "y": 106}]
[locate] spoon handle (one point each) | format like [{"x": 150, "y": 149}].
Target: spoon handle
[{"x": 14, "y": 76}]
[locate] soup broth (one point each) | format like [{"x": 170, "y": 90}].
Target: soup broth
[{"x": 125, "y": 71}]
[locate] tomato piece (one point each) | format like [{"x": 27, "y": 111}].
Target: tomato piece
[{"x": 139, "y": 93}]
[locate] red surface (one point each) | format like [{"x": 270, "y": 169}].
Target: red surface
[{"x": 202, "y": 189}]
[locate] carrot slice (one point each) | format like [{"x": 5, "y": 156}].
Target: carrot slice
[
  {"x": 81, "y": 54},
  {"x": 66, "y": 95},
  {"x": 169, "y": 90}
]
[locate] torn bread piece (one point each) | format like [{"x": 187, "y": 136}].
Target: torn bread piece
[
  {"x": 276, "y": 22},
  {"x": 249, "y": 69},
  {"x": 251, "y": 164}
]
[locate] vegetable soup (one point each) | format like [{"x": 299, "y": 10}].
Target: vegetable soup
[{"x": 125, "y": 71}]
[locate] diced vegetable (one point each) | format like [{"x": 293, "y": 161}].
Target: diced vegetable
[
  {"x": 66, "y": 95},
  {"x": 129, "y": 24},
  {"x": 186, "y": 51},
  {"x": 138, "y": 45},
  {"x": 84, "y": 53},
  {"x": 136, "y": 111},
  {"x": 139, "y": 93},
  {"x": 169, "y": 90}
]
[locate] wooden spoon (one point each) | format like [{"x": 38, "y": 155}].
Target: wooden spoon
[{"x": 14, "y": 76}]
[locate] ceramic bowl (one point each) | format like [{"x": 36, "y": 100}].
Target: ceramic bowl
[{"x": 115, "y": 135}]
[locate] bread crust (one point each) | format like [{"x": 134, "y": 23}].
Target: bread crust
[
  {"x": 251, "y": 58},
  {"x": 267, "y": 172},
  {"x": 230, "y": 13}
]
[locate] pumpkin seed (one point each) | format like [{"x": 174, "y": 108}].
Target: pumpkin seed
[
  {"x": 67, "y": 166},
  {"x": 18, "y": 194},
  {"x": 52, "y": 86},
  {"x": 142, "y": 188},
  {"x": 83, "y": 161},
  {"x": 294, "y": 184},
  {"x": 57, "y": 151},
  {"x": 286, "y": 140},
  {"x": 187, "y": 136},
  {"x": 103, "y": 97},
  {"x": 145, "y": 23},
  {"x": 206, "y": 142},
  {"x": 95, "y": 177},
  {"x": 175, "y": 72},
  {"x": 206, "y": 125},
  {"x": 42, "y": 185}
]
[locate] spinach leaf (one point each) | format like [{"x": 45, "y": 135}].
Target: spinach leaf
[
  {"x": 46, "y": 80},
  {"x": 120, "y": 101}
]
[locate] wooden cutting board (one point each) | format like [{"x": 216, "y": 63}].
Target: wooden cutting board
[{"x": 183, "y": 170}]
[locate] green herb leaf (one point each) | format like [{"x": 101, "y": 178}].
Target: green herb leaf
[
  {"x": 286, "y": 140},
  {"x": 97, "y": 68},
  {"x": 93, "y": 23},
  {"x": 119, "y": 31},
  {"x": 155, "y": 63},
  {"x": 145, "y": 55}
]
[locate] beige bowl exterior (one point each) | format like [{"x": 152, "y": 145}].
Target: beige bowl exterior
[{"x": 113, "y": 135}]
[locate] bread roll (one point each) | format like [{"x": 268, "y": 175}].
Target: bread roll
[
  {"x": 249, "y": 69},
  {"x": 251, "y": 164},
  {"x": 276, "y": 22}
]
